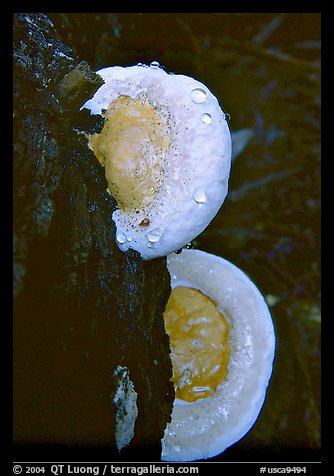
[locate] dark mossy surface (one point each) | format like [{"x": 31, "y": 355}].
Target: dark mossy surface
[{"x": 265, "y": 70}]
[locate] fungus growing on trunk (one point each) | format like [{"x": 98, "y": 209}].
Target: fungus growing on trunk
[{"x": 166, "y": 150}]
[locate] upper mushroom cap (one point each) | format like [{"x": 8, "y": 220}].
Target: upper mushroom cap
[{"x": 166, "y": 148}]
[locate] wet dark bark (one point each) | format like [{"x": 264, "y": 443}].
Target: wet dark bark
[{"x": 81, "y": 307}]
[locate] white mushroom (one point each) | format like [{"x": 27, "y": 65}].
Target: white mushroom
[
  {"x": 166, "y": 149},
  {"x": 207, "y": 426}
]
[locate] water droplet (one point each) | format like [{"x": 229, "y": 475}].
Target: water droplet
[
  {"x": 199, "y": 195},
  {"x": 129, "y": 238},
  {"x": 196, "y": 343},
  {"x": 155, "y": 64},
  {"x": 206, "y": 118},
  {"x": 227, "y": 116},
  {"x": 198, "y": 95},
  {"x": 121, "y": 238},
  {"x": 155, "y": 235}
]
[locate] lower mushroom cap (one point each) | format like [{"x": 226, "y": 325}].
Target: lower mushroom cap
[{"x": 205, "y": 428}]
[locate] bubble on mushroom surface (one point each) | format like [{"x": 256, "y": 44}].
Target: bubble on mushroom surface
[{"x": 164, "y": 137}]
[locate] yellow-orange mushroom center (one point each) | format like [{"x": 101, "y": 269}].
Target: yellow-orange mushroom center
[
  {"x": 132, "y": 147},
  {"x": 198, "y": 335}
]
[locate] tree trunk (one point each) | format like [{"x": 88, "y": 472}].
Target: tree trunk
[{"x": 89, "y": 338}]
